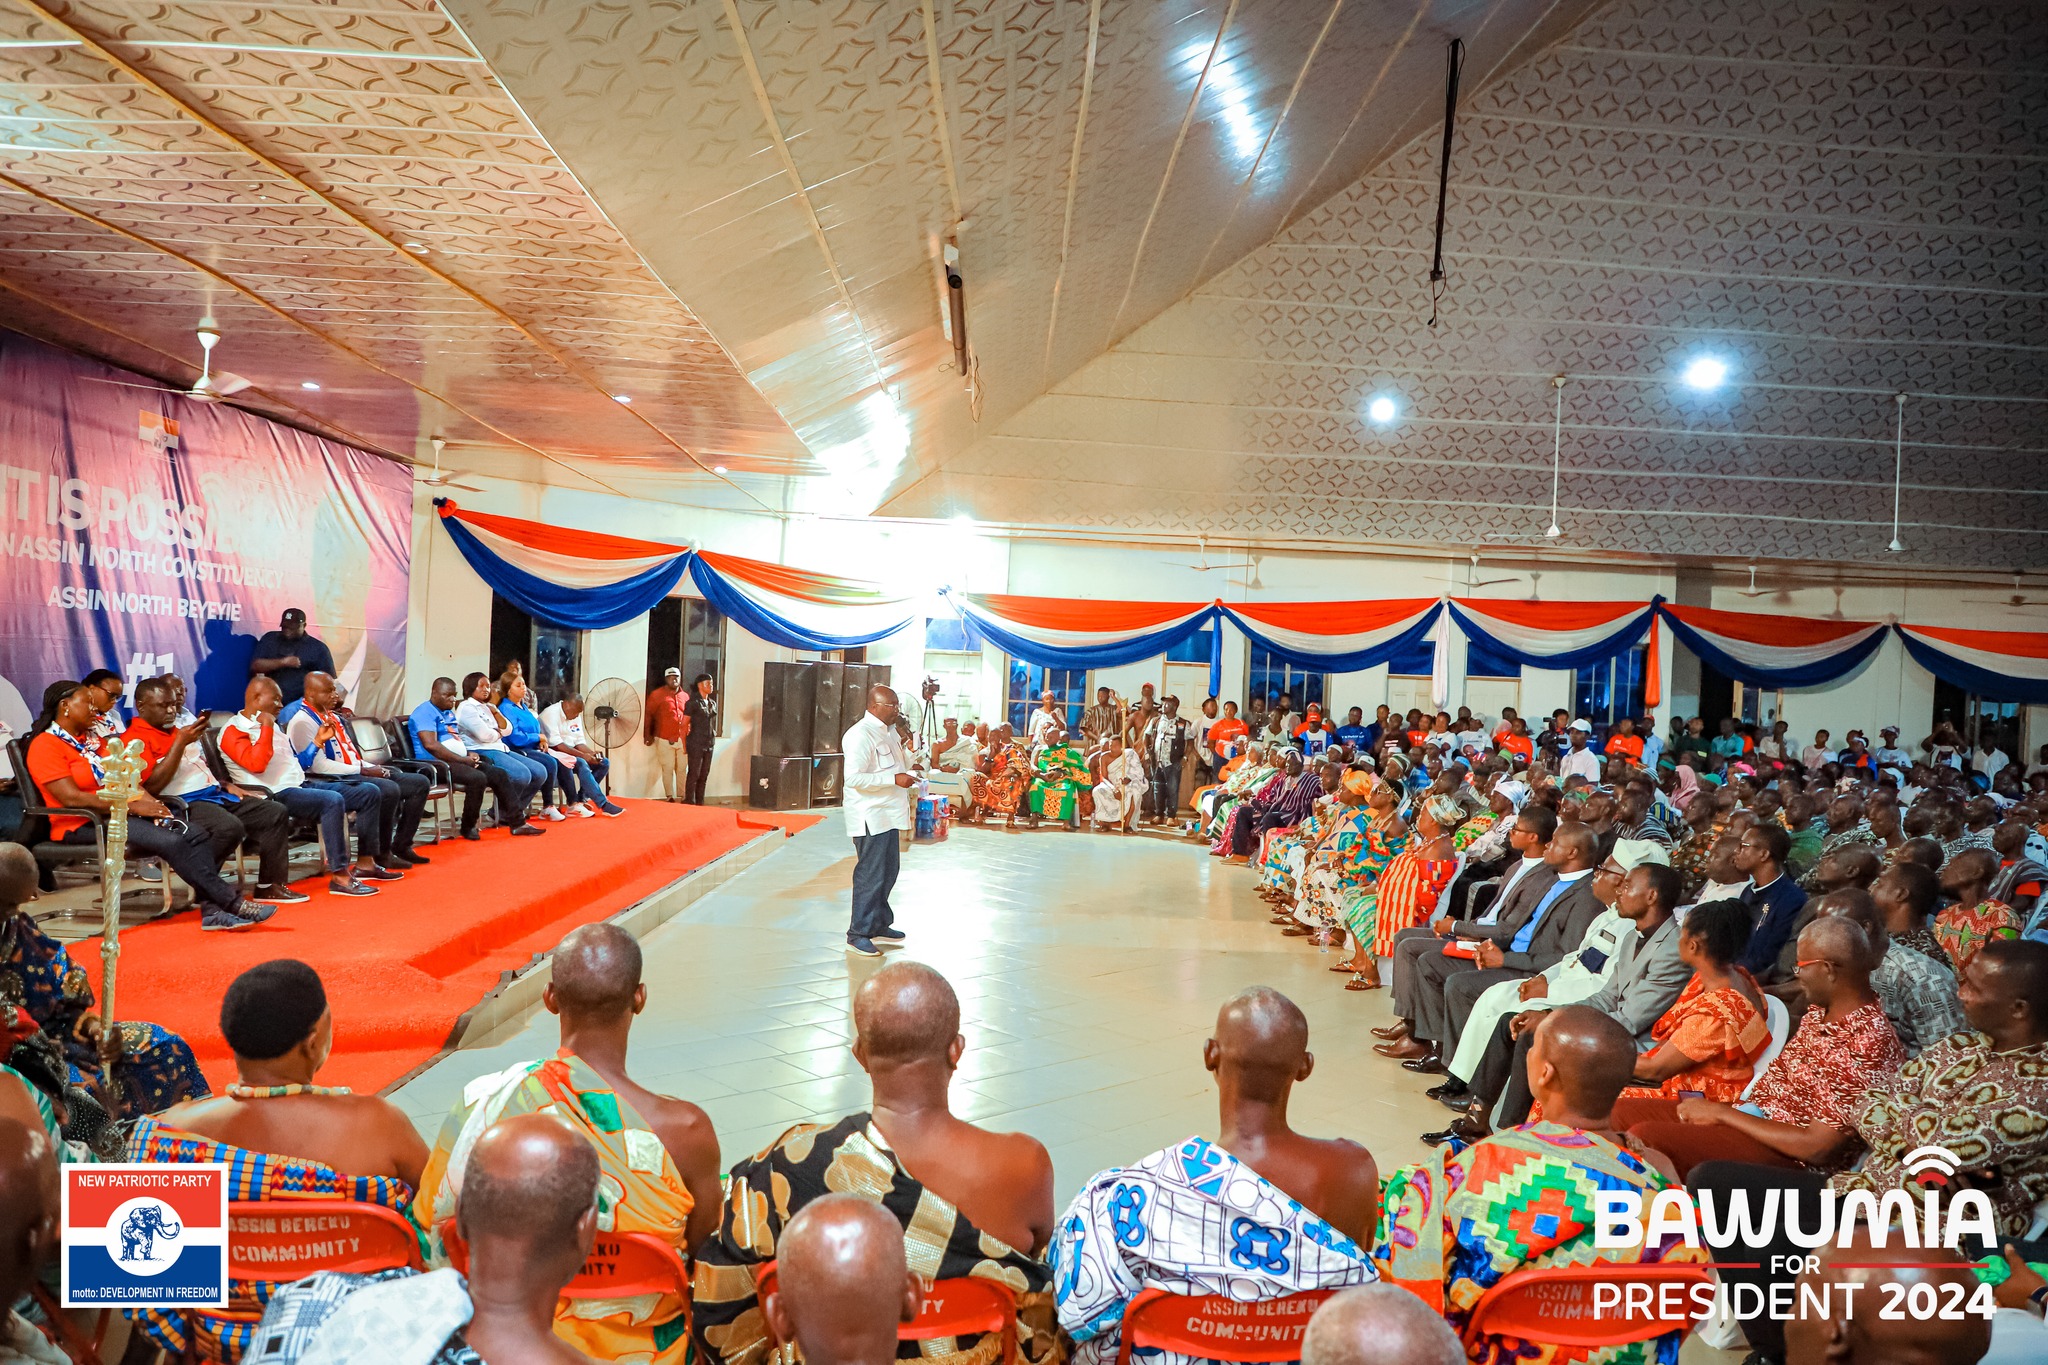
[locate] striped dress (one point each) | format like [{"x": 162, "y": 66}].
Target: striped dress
[{"x": 1402, "y": 898}]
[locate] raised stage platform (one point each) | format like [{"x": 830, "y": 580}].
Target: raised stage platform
[{"x": 403, "y": 967}]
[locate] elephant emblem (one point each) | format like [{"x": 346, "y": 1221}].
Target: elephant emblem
[{"x": 141, "y": 1228}]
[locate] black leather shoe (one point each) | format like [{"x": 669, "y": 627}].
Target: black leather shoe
[
  {"x": 1452, "y": 1093},
  {"x": 1440, "y": 1137},
  {"x": 1432, "y": 1064}
]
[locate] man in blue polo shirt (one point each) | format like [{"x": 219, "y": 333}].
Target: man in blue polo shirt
[
  {"x": 435, "y": 735},
  {"x": 1355, "y": 732}
]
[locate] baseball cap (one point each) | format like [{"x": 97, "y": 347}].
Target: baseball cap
[
  {"x": 1582, "y": 725},
  {"x": 671, "y": 672}
]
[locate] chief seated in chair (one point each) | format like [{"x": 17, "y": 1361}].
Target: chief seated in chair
[
  {"x": 530, "y": 1192},
  {"x": 1262, "y": 1212},
  {"x": 659, "y": 1155},
  {"x": 280, "y": 1135},
  {"x": 970, "y": 1202}
]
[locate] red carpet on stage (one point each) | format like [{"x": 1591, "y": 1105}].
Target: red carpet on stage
[{"x": 401, "y": 967}]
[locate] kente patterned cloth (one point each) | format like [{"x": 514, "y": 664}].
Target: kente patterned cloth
[
  {"x": 1473, "y": 830},
  {"x": 1455, "y": 1226},
  {"x": 1722, "y": 1030},
  {"x": 1404, "y": 896},
  {"x": 251, "y": 1175},
  {"x": 1265, "y": 784},
  {"x": 1281, "y": 804},
  {"x": 1284, "y": 852},
  {"x": 1989, "y": 1108},
  {"x": 1355, "y": 856},
  {"x": 392, "y": 1317},
  {"x": 1190, "y": 1219},
  {"x": 38, "y": 977},
  {"x": 1962, "y": 931},
  {"x": 1003, "y": 787},
  {"x": 638, "y": 1190},
  {"x": 1827, "y": 1071},
  {"x": 851, "y": 1157},
  {"x": 1062, "y": 789}
]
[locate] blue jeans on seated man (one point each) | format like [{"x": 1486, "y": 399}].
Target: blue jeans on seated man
[
  {"x": 376, "y": 801},
  {"x": 327, "y": 806},
  {"x": 527, "y": 777},
  {"x": 575, "y": 782}
]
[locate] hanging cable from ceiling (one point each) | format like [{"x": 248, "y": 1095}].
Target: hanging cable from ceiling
[
  {"x": 1443, "y": 176},
  {"x": 1553, "y": 531},
  {"x": 1898, "y": 470}
]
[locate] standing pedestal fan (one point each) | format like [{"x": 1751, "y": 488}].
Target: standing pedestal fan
[{"x": 613, "y": 709}]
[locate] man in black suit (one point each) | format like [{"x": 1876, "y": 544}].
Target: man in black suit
[
  {"x": 1520, "y": 887},
  {"x": 1525, "y": 940}
]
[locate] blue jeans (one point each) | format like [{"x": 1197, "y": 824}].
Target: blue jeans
[
  {"x": 527, "y": 777},
  {"x": 578, "y": 783},
  {"x": 877, "y": 858},
  {"x": 329, "y": 807}
]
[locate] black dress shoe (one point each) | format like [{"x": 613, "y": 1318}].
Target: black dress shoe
[
  {"x": 1442, "y": 1135},
  {"x": 1453, "y": 1092},
  {"x": 1430, "y": 1064}
]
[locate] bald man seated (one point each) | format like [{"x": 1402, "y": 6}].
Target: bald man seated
[
  {"x": 528, "y": 1217},
  {"x": 29, "y": 1203},
  {"x": 1445, "y": 1226},
  {"x": 842, "y": 1284},
  {"x": 1378, "y": 1324},
  {"x": 1261, "y": 1211},
  {"x": 660, "y": 1155},
  {"x": 970, "y": 1202},
  {"x": 1839, "y": 1318}
]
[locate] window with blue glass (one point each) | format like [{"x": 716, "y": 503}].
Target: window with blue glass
[
  {"x": 1030, "y": 682},
  {"x": 1603, "y": 693},
  {"x": 1268, "y": 676},
  {"x": 1195, "y": 649}
]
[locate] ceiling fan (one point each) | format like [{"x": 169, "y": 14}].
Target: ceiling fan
[
  {"x": 439, "y": 480},
  {"x": 209, "y": 387},
  {"x": 2019, "y": 597},
  {"x": 1205, "y": 566},
  {"x": 1753, "y": 590},
  {"x": 1250, "y": 582},
  {"x": 1473, "y": 584}
]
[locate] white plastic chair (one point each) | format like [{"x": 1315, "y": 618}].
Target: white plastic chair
[{"x": 1781, "y": 1028}]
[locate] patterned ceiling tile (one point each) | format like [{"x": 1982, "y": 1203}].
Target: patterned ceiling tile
[{"x": 1842, "y": 200}]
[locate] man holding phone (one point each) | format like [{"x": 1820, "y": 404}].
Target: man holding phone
[{"x": 879, "y": 790}]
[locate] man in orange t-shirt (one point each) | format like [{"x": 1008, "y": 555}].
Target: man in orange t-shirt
[{"x": 1226, "y": 732}]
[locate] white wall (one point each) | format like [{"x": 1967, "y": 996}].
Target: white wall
[{"x": 450, "y": 616}]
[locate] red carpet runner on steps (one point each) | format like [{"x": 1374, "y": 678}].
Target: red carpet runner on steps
[{"x": 402, "y": 966}]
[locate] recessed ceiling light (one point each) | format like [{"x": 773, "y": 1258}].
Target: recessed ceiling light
[
  {"x": 1382, "y": 410},
  {"x": 718, "y": 469},
  {"x": 309, "y": 385},
  {"x": 1707, "y": 372},
  {"x": 622, "y": 398}
]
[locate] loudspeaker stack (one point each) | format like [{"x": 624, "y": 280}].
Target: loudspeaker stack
[{"x": 806, "y": 710}]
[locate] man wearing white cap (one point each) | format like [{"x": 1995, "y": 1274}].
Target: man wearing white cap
[
  {"x": 1579, "y": 760},
  {"x": 1889, "y": 754}
]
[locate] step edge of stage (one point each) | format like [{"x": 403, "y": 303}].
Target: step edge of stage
[{"x": 508, "y": 1004}]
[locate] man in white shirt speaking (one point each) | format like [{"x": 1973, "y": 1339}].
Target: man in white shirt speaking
[{"x": 878, "y": 791}]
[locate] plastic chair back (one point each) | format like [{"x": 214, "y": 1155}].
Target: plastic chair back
[
  {"x": 1555, "y": 1307},
  {"x": 1780, "y": 1020},
  {"x": 960, "y": 1307},
  {"x": 373, "y": 739},
  {"x": 290, "y": 1239},
  {"x": 1210, "y": 1327},
  {"x": 621, "y": 1265}
]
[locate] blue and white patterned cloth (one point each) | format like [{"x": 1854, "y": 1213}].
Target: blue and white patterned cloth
[{"x": 1191, "y": 1219}]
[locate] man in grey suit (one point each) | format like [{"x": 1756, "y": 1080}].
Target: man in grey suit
[
  {"x": 1529, "y": 876},
  {"x": 1647, "y": 979},
  {"x": 1532, "y": 934}
]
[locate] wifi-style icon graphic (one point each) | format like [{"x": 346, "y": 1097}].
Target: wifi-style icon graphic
[{"x": 1932, "y": 1165}]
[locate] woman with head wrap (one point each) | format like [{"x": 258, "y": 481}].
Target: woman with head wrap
[
  {"x": 1685, "y": 785},
  {"x": 1318, "y": 888},
  {"x": 1283, "y": 852},
  {"x": 1407, "y": 892},
  {"x": 1383, "y": 836}
]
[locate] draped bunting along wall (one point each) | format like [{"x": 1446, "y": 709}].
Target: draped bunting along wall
[{"x": 587, "y": 580}]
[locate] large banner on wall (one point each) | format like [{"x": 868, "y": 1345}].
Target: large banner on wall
[{"x": 147, "y": 533}]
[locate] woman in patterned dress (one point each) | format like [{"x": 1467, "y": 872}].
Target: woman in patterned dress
[
  {"x": 1709, "y": 1042},
  {"x": 1384, "y": 836},
  {"x": 999, "y": 788},
  {"x": 1281, "y": 851},
  {"x": 1406, "y": 893}
]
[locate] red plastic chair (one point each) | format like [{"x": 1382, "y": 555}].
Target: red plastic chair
[
  {"x": 621, "y": 1265},
  {"x": 283, "y": 1240},
  {"x": 1211, "y": 1327},
  {"x": 1555, "y": 1306},
  {"x": 960, "y": 1307}
]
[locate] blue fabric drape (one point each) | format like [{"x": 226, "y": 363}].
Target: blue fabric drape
[
  {"x": 1969, "y": 677},
  {"x": 569, "y": 608},
  {"x": 756, "y": 619},
  {"x": 1626, "y": 635},
  {"x": 1128, "y": 650},
  {"x": 1805, "y": 675},
  {"x": 1371, "y": 657}
]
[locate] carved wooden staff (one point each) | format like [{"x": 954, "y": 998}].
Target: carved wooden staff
[{"x": 123, "y": 767}]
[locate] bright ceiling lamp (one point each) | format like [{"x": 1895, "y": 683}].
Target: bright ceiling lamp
[
  {"x": 1382, "y": 410},
  {"x": 1705, "y": 373}
]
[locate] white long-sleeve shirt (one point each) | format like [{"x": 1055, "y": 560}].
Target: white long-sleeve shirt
[
  {"x": 874, "y": 755},
  {"x": 1582, "y": 762}
]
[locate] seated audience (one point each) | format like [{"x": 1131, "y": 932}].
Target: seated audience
[
  {"x": 279, "y": 1133},
  {"x": 1907, "y": 895},
  {"x": 30, "y": 1204},
  {"x": 1918, "y": 994},
  {"x": 1367, "y": 837},
  {"x": 1974, "y": 918},
  {"x": 1459, "y": 1225},
  {"x": 66, "y": 764},
  {"x": 1407, "y": 892},
  {"x": 1510, "y": 897},
  {"x": 1290, "y": 803},
  {"x": 232, "y": 817},
  {"x": 954, "y": 758},
  {"x": 484, "y": 729},
  {"x": 1003, "y": 780},
  {"x": 1710, "y": 1040},
  {"x": 1773, "y": 898},
  {"x": 562, "y": 726},
  {"x": 1983, "y": 1095},
  {"x": 1261, "y": 1212},
  {"x": 436, "y": 734},
  {"x": 1861, "y": 1273},
  {"x": 259, "y": 755},
  {"x": 1378, "y": 1324},
  {"x": 325, "y": 746},
  {"x": 971, "y": 1202},
  {"x": 577, "y": 786},
  {"x": 659, "y": 1155},
  {"x": 842, "y": 1286},
  {"x": 1061, "y": 790},
  {"x": 1803, "y": 1108},
  {"x": 531, "y": 1193},
  {"x": 1119, "y": 790},
  {"x": 46, "y": 992}
]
